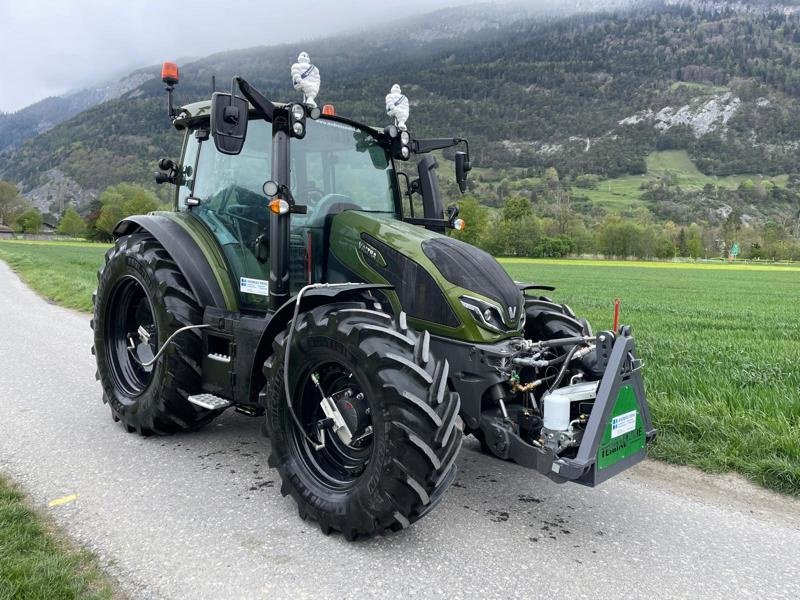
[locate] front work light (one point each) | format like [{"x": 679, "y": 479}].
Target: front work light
[
  {"x": 297, "y": 120},
  {"x": 298, "y": 112}
]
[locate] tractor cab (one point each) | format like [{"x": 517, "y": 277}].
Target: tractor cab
[
  {"x": 267, "y": 179},
  {"x": 336, "y": 166}
]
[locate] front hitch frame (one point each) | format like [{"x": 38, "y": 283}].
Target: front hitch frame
[{"x": 601, "y": 454}]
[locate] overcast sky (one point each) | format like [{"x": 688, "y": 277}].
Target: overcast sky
[{"x": 51, "y": 46}]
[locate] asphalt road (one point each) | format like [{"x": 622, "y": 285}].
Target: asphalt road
[{"x": 200, "y": 515}]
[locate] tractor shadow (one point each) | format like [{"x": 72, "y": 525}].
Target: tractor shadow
[{"x": 498, "y": 498}]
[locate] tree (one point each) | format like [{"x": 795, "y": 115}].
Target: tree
[
  {"x": 683, "y": 248},
  {"x": 664, "y": 248},
  {"x": 516, "y": 209},
  {"x": 110, "y": 215},
  {"x": 140, "y": 202},
  {"x": 30, "y": 221},
  {"x": 475, "y": 221},
  {"x": 122, "y": 200},
  {"x": 11, "y": 203},
  {"x": 618, "y": 237},
  {"x": 72, "y": 224}
]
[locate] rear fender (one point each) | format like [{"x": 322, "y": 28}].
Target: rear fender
[{"x": 184, "y": 250}]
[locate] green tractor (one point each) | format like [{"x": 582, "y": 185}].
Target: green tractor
[{"x": 290, "y": 284}]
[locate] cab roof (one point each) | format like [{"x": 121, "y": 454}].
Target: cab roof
[{"x": 189, "y": 114}]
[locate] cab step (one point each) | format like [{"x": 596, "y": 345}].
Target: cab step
[
  {"x": 209, "y": 401},
  {"x": 223, "y": 358}
]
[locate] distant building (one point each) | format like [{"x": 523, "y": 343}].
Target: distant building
[
  {"x": 49, "y": 223},
  {"x": 6, "y": 232}
]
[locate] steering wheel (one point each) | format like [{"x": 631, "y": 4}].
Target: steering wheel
[{"x": 314, "y": 194}]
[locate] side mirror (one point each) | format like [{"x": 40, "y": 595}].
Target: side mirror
[
  {"x": 462, "y": 168},
  {"x": 228, "y": 122}
]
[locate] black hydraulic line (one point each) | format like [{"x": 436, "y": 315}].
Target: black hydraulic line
[
  {"x": 560, "y": 376},
  {"x": 564, "y": 341}
]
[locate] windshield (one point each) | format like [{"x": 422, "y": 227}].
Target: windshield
[{"x": 337, "y": 164}]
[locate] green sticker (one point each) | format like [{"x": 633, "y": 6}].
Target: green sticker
[{"x": 624, "y": 433}]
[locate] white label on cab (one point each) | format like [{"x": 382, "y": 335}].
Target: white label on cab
[
  {"x": 623, "y": 423},
  {"x": 260, "y": 287}
]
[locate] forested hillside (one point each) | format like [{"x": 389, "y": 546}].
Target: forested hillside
[{"x": 593, "y": 95}]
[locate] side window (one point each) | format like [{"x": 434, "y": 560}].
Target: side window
[
  {"x": 233, "y": 206},
  {"x": 246, "y": 171}
]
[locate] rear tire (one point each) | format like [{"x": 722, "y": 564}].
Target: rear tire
[
  {"x": 140, "y": 289},
  {"x": 410, "y": 460}
]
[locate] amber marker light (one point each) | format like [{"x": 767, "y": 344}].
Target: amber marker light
[
  {"x": 169, "y": 73},
  {"x": 279, "y": 206}
]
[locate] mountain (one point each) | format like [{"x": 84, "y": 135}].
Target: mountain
[
  {"x": 588, "y": 93},
  {"x": 45, "y": 114}
]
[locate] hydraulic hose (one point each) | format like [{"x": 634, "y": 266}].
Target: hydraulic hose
[
  {"x": 165, "y": 344},
  {"x": 563, "y": 370},
  {"x": 314, "y": 444}
]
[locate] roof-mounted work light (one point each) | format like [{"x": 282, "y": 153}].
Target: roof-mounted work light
[
  {"x": 400, "y": 146},
  {"x": 297, "y": 120}
]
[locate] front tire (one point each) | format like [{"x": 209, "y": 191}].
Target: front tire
[
  {"x": 385, "y": 380},
  {"x": 141, "y": 299}
]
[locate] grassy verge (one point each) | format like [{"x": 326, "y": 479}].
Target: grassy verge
[
  {"x": 35, "y": 563},
  {"x": 719, "y": 341},
  {"x": 63, "y": 272}
]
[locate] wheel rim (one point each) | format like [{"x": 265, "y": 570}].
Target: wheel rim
[
  {"x": 337, "y": 465},
  {"x": 131, "y": 336}
]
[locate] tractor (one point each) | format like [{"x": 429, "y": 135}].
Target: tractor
[{"x": 295, "y": 282}]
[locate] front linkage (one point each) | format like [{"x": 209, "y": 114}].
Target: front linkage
[
  {"x": 586, "y": 431},
  {"x": 611, "y": 438}
]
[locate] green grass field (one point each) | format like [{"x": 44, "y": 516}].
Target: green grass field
[
  {"x": 35, "y": 564},
  {"x": 63, "y": 272},
  {"x": 721, "y": 344}
]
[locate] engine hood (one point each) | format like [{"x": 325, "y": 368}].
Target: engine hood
[{"x": 445, "y": 284}]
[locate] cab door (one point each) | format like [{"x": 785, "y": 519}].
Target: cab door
[{"x": 234, "y": 207}]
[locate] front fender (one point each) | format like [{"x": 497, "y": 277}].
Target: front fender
[{"x": 311, "y": 299}]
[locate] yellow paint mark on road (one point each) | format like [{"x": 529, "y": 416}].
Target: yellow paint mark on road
[{"x": 63, "y": 500}]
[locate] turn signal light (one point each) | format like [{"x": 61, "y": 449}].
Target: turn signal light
[
  {"x": 279, "y": 206},
  {"x": 169, "y": 73},
  {"x": 329, "y": 110},
  {"x": 459, "y": 224}
]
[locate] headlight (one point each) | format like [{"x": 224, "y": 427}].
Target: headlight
[
  {"x": 298, "y": 129},
  {"x": 405, "y": 152},
  {"x": 486, "y": 314},
  {"x": 405, "y": 138},
  {"x": 298, "y": 112}
]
